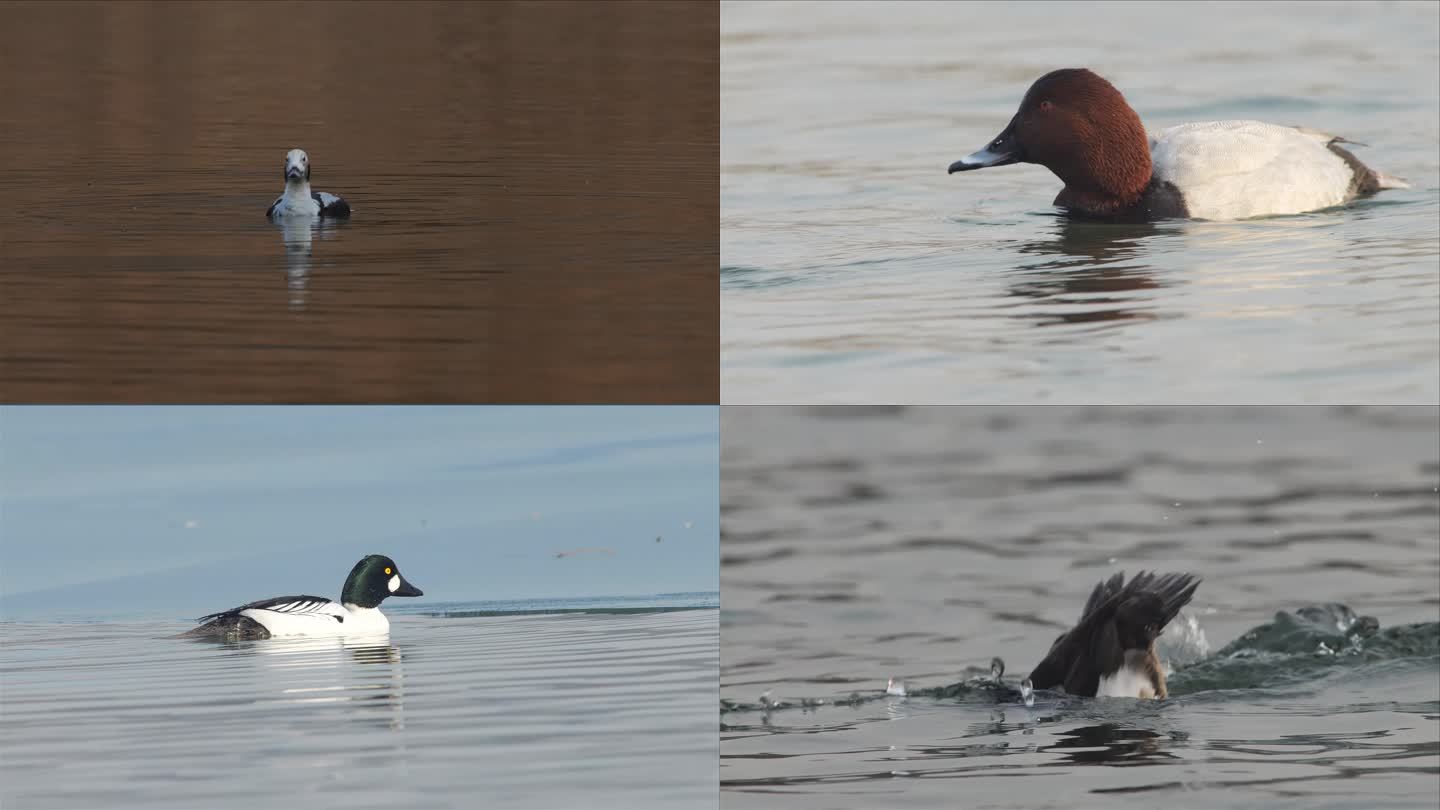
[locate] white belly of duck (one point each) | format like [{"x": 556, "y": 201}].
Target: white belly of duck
[
  {"x": 297, "y": 203},
  {"x": 1126, "y": 682}
]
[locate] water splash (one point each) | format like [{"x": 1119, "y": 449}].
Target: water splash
[
  {"x": 1183, "y": 642},
  {"x": 1301, "y": 646},
  {"x": 1301, "y": 631},
  {"x": 1293, "y": 648}
]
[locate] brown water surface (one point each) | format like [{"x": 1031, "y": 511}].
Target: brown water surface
[{"x": 534, "y": 192}]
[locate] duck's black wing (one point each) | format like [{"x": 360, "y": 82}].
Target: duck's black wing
[
  {"x": 1071, "y": 644},
  {"x": 1072, "y": 659},
  {"x": 1175, "y": 591},
  {"x": 1104, "y": 590},
  {"x": 330, "y": 204},
  {"x": 230, "y": 624},
  {"x": 281, "y": 604}
]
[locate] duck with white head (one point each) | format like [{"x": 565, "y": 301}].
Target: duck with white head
[{"x": 298, "y": 200}]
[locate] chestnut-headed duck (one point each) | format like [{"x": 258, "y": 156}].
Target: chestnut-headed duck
[{"x": 1077, "y": 125}]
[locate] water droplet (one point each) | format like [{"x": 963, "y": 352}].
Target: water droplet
[
  {"x": 1027, "y": 692},
  {"x": 895, "y": 687},
  {"x": 997, "y": 668}
]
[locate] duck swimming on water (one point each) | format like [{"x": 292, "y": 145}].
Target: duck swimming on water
[
  {"x": 298, "y": 200},
  {"x": 373, "y": 580}
]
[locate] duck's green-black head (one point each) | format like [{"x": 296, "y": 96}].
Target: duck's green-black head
[{"x": 374, "y": 578}]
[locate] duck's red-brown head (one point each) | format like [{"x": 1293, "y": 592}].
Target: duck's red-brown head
[{"x": 1080, "y": 127}]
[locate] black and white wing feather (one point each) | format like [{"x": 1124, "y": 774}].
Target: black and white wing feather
[
  {"x": 288, "y": 613},
  {"x": 291, "y": 605},
  {"x": 330, "y": 205}
]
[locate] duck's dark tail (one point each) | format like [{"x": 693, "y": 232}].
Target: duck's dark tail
[
  {"x": 1174, "y": 590},
  {"x": 229, "y": 625}
]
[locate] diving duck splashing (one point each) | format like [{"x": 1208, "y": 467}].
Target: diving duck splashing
[{"x": 1111, "y": 651}]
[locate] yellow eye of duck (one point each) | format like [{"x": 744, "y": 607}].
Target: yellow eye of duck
[{"x": 387, "y": 570}]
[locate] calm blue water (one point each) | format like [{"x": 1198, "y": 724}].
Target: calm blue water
[
  {"x": 702, "y": 600},
  {"x": 588, "y": 709}
]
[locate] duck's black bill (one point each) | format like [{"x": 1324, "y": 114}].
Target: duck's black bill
[
  {"x": 1000, "y": 152},
  {"x": 984, "y": 158},
  {"x": 406, "y": 589}
]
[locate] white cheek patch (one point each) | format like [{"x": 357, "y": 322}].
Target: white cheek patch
[{"x": 394, "y": 583}]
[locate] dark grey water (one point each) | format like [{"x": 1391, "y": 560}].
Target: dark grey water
[
  {"x": 536, "y": 711},
  {"x": 861, "y": 545}
]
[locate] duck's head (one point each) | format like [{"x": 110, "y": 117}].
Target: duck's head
[
  {"x": 374, "y": 578},
  {"x": 1079, "y": 126},
  {"x": 297, "y": 166}
]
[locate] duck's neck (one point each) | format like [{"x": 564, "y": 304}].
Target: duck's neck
[
  {"x": 363, "y": 620},
  {"x": 297, "y": 190}
]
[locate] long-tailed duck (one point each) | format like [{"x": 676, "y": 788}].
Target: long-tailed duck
[
  {"x": 1111, "y": 651},
  {"x": 298, "y": 200},
  {"x": 356, "y": 614}
]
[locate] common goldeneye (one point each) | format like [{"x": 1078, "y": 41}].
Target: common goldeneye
[
  {"x": 1079, "y": 126},
  {"x": 1111, "y": 651},
  {"x": 356, "y": 614},
  {"x": 298, "y": 200}
]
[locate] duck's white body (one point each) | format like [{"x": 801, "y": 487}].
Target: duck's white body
[
  {"x": 309, "y": 617},
  {"x": 1241, "y": 169},
  {"x": 299, "y": 201}
]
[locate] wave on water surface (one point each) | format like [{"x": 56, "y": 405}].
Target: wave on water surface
[
  {"x": 617, "y": 611},
  {"x": 590, "y": 605},
  {"x": 1312, "y": 643}
]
